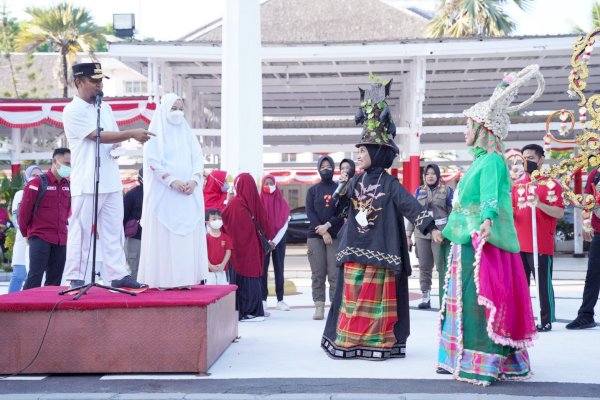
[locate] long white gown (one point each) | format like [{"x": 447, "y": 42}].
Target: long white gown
[{"x": 173, "y": 248}]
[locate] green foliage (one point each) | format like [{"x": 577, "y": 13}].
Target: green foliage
[
  {"x": 8, "y": 188},
  {"x": 378, "y": 79},
  {"x": 10, "y": 30},
  {"x": 595, "y": 14},
  {"x": 9, "y": 242},
  {"x": 463, "y": 18}
]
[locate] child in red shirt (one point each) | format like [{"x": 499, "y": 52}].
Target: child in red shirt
[{"x": 219, "y": 249}]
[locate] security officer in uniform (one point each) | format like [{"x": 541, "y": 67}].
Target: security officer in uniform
[{"x": 436, "y": 197}]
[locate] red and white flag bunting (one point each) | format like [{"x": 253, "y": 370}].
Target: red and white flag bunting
[{"x": 27, "y": 114}]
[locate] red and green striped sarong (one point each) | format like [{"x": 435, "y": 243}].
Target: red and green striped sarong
[{"x": 369, "y": 310}]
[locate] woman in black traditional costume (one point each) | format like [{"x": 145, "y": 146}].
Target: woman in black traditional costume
[{"x": 369, "y": 316}]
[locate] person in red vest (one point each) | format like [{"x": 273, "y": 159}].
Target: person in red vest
[
  {"x": 549, "y": 209},
  {"x": 43, "y": 216}
]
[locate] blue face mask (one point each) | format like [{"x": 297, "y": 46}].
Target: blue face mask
[
  {"x": 64, "y": 171},
  {"x": 225, "y": 187}
]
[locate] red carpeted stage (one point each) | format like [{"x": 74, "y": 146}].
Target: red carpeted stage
[{"x": 105, "y": 332}]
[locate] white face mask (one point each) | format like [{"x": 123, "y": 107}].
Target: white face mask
[
  {"x": 272, "y": 188},
  {"x": 216, "y": 224},
  {"x": 175, "y": 117}
]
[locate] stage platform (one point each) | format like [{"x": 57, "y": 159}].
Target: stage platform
[{"x": 105, "y": 332}]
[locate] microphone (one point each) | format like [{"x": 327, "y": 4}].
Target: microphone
[
  {"x": 342, "y": 185},
  {"x": 99, "y": 95}
]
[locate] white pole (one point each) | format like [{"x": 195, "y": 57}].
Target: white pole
[
  {"x": 536, "y": 304},
  {"x": 241, "y": 95}
]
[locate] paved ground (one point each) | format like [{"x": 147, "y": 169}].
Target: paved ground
[{"x": 281, "y": 359}]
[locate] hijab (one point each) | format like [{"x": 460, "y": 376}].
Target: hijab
[
  {"x": 214, "y": 196},
  {"x": 352, "y": 169},
  {"x": 29, "y": 171},
  {"x": 382, "y": 157},
  {"x": 486, "y": 140},
  {"x": 176, "y": 150},
  {"x": 326, "y": 176},
  {"x": 438, "y": 174},
  {"x": 247, "y": 257},
  {"x": 276, "y": 207}
]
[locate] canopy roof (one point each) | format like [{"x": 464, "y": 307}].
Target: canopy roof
[{"x": 313, "y": 88}]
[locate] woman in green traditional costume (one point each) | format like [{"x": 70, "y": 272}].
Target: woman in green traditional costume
[{"x": 486, "y": 313}]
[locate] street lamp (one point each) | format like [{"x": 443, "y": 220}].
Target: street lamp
[{"x": 124, "y": 25}]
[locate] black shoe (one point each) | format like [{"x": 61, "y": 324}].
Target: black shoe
[
  {"x": 424, "y": 305},
  {"x": 582, "y": 322},
  {"x": 442, "y": 371},
  {"x": 127, "y": 282},
  {"x": 544, "y": 328}
]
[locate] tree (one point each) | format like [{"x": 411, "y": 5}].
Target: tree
[
  {"x": 595, "y": 12},
  {"x": 10, "y": 29},
  {"x": 66, "y": 29},
  {"x": 460, "y": 18}
]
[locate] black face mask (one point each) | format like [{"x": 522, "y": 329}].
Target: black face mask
[
  {"x": 530, "y": 166},
  {"x": 326, "y": 174}
]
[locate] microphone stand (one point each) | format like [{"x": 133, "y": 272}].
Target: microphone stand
[{"x": 84, "y": 289}]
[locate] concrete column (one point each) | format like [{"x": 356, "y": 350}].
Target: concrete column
[
  {"x": 15, "y": 160},
  {"x": 411, "y": 116},
  {"x": 167, "y": 79},
  {"x": 241, "y": 95},
  {"x": 150, "y": 81},
  {"x": 185, "y": 91},
  {"x": 155, "y": 88}
]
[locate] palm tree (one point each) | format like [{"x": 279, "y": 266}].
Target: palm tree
[
  {"x": 66, "y": 29},
  {"x": 595, "y": 11},
  {"x": 460, "y": 18}
]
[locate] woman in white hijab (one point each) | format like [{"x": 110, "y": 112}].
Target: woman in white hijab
[{"x": 173, "y": 249}]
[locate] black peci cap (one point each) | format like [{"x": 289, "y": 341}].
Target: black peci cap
[{"x": 93, "y": 70}]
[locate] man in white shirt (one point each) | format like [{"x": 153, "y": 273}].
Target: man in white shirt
[{"x": 79, "y": 119}]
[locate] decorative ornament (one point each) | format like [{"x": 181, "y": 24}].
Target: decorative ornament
[
  {"x": 515, "y": 173},
  {"x": 587, "y": 143},
  {"x": 375, "y": 115},
  {"x": 493, "y": 113},
  {"x": 521, "y": 198}
]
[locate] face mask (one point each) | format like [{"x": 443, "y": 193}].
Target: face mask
[
  {"x": 64, "y": 171},
  {"x": 326, "y": 174},
  {"x": 175, "y": 117},
  {"x": 216, "y": 224},
  {"x": 225, "y": 187},
  {"x": 530, "y": 166},
  {"x": 269, "y": 189}
]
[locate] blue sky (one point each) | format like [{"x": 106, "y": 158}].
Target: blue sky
[{"x": 172, "y": 19}]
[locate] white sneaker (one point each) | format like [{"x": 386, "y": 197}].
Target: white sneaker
[
  {"x": 281, "y": 306},
  {"x": 267, "y": 314}
]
